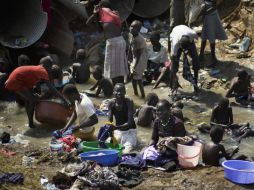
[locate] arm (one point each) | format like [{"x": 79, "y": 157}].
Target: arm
[
  {"x": 94, "y": 94},
  {"x": 94, "y": 86},
  {"x": 92, "y": 120},
  {"x": 231, "y": 119},
  {"x": 94, "y": 16},
  {"x": 55, "y": 92},
  {"x": 110, "y": 113},
  {"x": 230, "y": 92},
  {"x": 130, "y": 121},
  {"x": 223, "y": 152},
  {"x": 137, "y": 55},
  {"x": 155, "y": 135},
  {"x": 70, "y": 122}
]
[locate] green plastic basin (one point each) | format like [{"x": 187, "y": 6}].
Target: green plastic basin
[{"x": 93, "y": 146}]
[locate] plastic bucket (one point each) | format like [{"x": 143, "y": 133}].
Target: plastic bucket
[
  {"x": 188, "y": 156},
  {"x": 239, "y": 171},
  {"x": 103, "y": 157},
  {"x": 87, "y": 146},
  {"x": 56, "y": 148}
]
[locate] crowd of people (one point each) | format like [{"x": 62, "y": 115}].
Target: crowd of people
[{"x": 143, "y": 64}]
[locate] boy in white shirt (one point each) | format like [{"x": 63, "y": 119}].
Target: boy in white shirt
[{"x": 84, "y": 117}]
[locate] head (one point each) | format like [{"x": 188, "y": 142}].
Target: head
[
  {"x": 184, "y": 42},
  {"x": 216, "y": 134},
  {"x": 105, "y": 3},
  {"x": 163, "y": 110},
  {"x": 71, "y": 93},
  {"x": 155, "y": 38},
  {"x": 47, "y": 63},
  {"x": 97, "y": 72},
  {"x": 80, "y": 55},
  {"x": 23, "y": 60},
  {"x": 152, "y": 99},
  {"x": 242, "y": 75},
  {"x": 56, "y": 72},
  {"x": 3, "y": 65},
  {"x": 135, "y": 27},
  {"x": 119, "y": 91},
  {"x": 224, "y": 103},
  {"x": 178, "y": 104}
]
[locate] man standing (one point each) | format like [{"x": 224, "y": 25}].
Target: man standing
[
  {"x": 115, "y": 64},
  {"x": 182, "y": 41}
]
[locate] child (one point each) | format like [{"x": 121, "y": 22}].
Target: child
[
  {"x": 23, "y": 60},
  {"x": 222, "y": 115},
  {"x": 102, "y": 84},
  {"x": 213, "y": 152},
  {"x": 140, "y": 57},
  {"x": 240, "y": 88},
  {"x": 177, "y": 110},
  {"x": 122, "y": 109},
  {"x": 146, "y": 112},
  {"x": 81, "y": 72},
  {"x": 157, "y": 57},
  {"x": 84, "y": 114}
]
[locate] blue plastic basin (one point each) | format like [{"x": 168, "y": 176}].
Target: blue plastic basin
[
  {"x": 103, "y": 157},
  {"x": 239, "y": 171}
]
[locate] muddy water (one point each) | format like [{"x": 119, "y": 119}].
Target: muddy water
[{"x": 195, "y": 112}]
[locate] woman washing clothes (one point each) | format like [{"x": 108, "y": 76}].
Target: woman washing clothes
[
  {"x": 122, "y": 109},
  {"x": 166, "y": 125},
  {"x": 171, "y": 130}
]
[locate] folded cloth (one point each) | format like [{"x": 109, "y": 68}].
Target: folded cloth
[
  {"x": 153, "y": 158},
  {"x": 14, "y": 178},
  {"x": 133, "y": 161}
]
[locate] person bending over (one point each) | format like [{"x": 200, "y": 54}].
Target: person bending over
[
  {"x": 23, "y": 80},
  {"x": 84, "y": 117}
]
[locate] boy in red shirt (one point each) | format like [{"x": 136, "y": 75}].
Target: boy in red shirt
[{"x": 23, "y": 79}]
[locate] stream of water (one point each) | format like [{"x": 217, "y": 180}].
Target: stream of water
[{"x": 196, "y": 112}]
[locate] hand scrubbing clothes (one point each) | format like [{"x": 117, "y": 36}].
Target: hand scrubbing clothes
[{"x": 105, "y": 132}]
